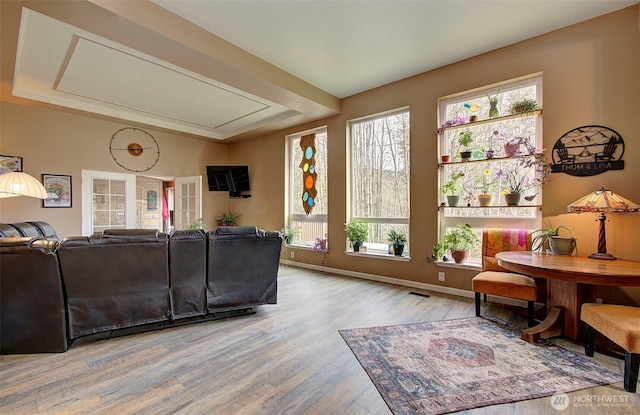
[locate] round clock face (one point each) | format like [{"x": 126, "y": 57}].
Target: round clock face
[{"x": 134, "y": 149}]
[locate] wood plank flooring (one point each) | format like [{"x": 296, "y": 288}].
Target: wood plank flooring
[{"x": 285, "y": 359}]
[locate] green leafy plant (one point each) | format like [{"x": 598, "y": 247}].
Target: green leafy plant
[
  {"x": 227, "y": 219},
  {"x": 524, "y": 106},
  {"x": 396, "y": 237},
  {"x": 542, "y": 235},
  {"x": 357, "y": 231},
  {"x": 197, "y": 224},
  {"x": 289, "y": 233},
  {"x": 452, "y": 187},
  {"x": 465, "y": 138},
  {"x": 462, "y": 238}
]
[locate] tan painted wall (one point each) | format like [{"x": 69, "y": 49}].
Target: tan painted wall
[
  {"x": 591, "y": 76},
  {"x": 61, "y": 143}
]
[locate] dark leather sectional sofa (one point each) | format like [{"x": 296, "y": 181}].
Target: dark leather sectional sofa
[{"x": 53, "y": 292}]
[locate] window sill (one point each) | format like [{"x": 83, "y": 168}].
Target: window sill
[
  {"x": 472, "y": 266},
  {"x": 402, "y": 258}
]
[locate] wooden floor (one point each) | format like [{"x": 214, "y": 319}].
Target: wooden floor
[{"x": 285, "y": 359}]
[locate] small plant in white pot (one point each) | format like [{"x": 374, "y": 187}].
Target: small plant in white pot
[{"x": 560, "y": 245}]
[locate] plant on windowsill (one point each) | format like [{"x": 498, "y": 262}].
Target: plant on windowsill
[
  {"x": 227, "y": 219},
  {"x": 457, "y": 242},
  {"x": 321, "y": 245},
  {"x": 357, "y": 232},
  {"x": 398, "y": 239},
  {"x": 451, "y": 189},
  {"x": 560, "y": 245},
  {"x": 289, "y": 234}
]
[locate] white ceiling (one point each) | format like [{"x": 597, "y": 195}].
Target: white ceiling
[
  {"x": 348, "y": 46},
  {"x": 328, "y": 48}
]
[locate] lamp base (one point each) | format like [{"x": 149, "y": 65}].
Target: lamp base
[{"x": 599, "y": 255}]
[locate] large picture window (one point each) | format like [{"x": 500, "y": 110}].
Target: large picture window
[
  {"x": 499, "y": 142},
  {"x": 379, "y": 176},
  {"x": 306, "y": 227}
]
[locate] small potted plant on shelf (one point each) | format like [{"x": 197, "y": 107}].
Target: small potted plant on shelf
[
  {"x": 397, "y": 239},
  {"x": 451, "y": 189},
  {"x": 357, "y": 232},
  {"x": 457, "y": 242},
  {"x": 465, "y": 139},
  {"x": 560, "y": 245},
  {"x": 523, "y": 106},
  {"x": 485, "y": 185},
  {"x": 227, "y": 219}
]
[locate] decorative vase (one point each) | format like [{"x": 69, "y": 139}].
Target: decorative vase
[
  {"x": 356, "y": 246},
  {"x": 484, "y": 200},
  {"x": 459, "y": 256},
  {"x": 512, "y": 199},
  {"x": 493, "y": 110},
  {"x": 453, "y": 200},
  {"x": 398, "y": 249},
  {"x": 562, "y": 245},
  {"x": 511, "y": 150}
]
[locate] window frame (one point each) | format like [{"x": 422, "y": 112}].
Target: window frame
[
  {"x": 372, "y": 248},
  {"x": 291, "y": 188}
]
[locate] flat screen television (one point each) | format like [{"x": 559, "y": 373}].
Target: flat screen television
[{"x": 232, "y": 179}]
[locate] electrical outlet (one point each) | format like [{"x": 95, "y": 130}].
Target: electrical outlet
[
  {"x": 292, "y": 254},
  {"x": 440, "y": 276},
  {"x": 598, "y": 300}
]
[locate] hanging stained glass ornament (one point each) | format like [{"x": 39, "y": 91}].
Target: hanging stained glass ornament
[{"x": 309, "y": 175}]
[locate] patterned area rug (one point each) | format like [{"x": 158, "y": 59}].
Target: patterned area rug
[{"x": 447, "y": 366}]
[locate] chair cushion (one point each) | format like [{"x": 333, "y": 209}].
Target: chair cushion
[
  {"x": 620, "y": 323},
  {"x": 505, "y": 284}
]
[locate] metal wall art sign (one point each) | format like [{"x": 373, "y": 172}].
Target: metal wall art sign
[{"x": 587, "y": 151}]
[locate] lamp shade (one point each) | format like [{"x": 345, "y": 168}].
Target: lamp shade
[
  {"x": 21, "y": 184},
  {"x": 603, "y": 201}
]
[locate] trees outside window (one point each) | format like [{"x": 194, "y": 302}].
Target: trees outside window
[{"x": 378, "y": 175}]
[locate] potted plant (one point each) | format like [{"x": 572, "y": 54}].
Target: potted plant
[
  {"x": 524, "y": 106},
  {"x": 485, "y": 185},
  {"x": 227, "y": 219},
  {"x": 465, "y": 139},
  {"x": 197, "y": 224},
  {"x": 529, "y": 172},
  {"x": 357, "y": 232},
  {"x": 561, "y": 245},
  {"x": 451, "y": 189},
  {"x": 398, "y": 239},
  {"x": 289, "y": 234},
  {"x": 457, "y": 242},
  {"x": 493, "y": 105}
]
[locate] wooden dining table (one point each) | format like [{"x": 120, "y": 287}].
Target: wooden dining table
[{"x": 571, "y": 281}]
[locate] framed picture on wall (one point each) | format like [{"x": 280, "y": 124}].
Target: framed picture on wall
[
  {"x": 10, "y": 163},
  {"x": 58, "y": 191}
]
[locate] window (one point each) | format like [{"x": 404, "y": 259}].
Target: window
[
  {"x": 485, "y": 172},
  {"x": 314, "y": 225},
  {"x": 378, "y": 176}
]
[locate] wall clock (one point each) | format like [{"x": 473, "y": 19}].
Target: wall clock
[{"x": 134, "y": 149}]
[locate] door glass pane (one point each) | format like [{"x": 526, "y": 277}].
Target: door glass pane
[{"x": 109, "y": 204}]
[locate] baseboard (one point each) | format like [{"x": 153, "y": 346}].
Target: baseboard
[{"x": 404, "y": 283}]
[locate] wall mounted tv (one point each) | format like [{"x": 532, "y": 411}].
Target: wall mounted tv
[{"x": 232, "y": 179}]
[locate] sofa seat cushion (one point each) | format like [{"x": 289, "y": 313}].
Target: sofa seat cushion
[
  {"x": 621, "y": 324},
  {"x": 505, "y": 284}
]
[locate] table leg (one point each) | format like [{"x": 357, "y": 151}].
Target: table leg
[{"x": 564, "y": 299}]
